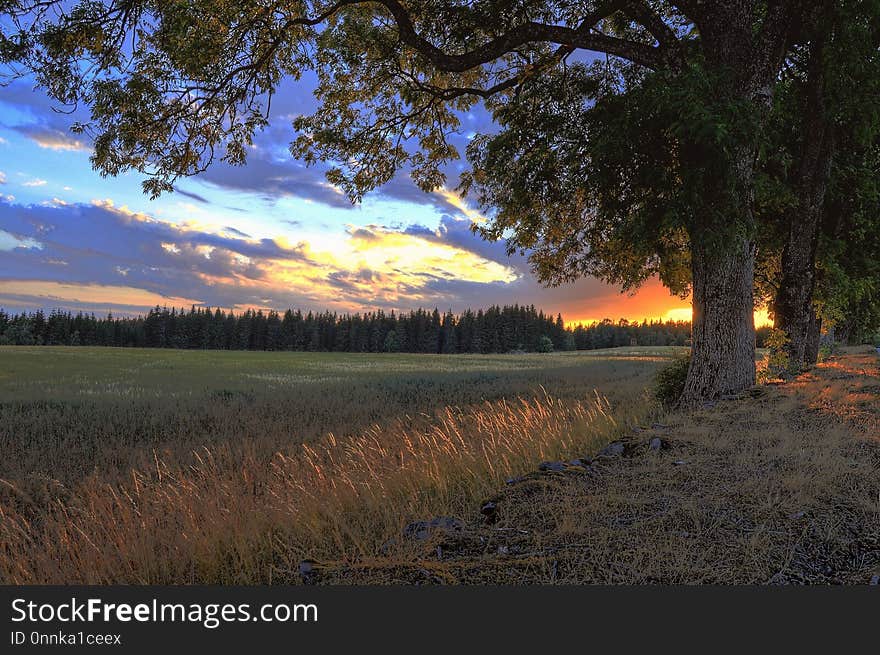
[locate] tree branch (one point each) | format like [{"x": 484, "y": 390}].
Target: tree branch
[
  {"x": 581, "y": 37},
  {"x": 642, "y": 13}
]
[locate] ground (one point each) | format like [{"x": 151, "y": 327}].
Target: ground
[
  {"x": 166, "y": 467},
  {"x": 778, "y": 486}
]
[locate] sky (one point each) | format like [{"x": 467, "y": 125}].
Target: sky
[{"x": 271, "y": 234}]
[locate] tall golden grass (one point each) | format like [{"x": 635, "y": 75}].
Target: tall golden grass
[{"x": 233, "y": 515}]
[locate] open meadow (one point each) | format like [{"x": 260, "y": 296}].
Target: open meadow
[{"x": 172, "y": 466}]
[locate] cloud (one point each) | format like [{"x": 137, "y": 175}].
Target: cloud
[
  {"x": 10, "y": 241},
  {"x": 77, "y": 295},
  {"x": 273, "y": 180},
  {"x": 193, "y": 196},
  {"x": 236, "y": 232},
  {"x": 2, "y": 177},
  {"x": 91, "y": 256},
  {"x": 364, "y": 234},
  {"x": 394, "y": 265},
  {"x": 114, "y": 249},
  {"x": 52, "y": 139},
  {"x": 34, "y": 183}
]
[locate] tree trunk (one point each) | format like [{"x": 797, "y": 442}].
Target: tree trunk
[
  {"x": 723, "y": 353},
  {"x": 743, "y": 67},
  {"x": 811, "y": 353},
  {"x": 794, "y": 303},
  {"x": 844, "y": 332}
]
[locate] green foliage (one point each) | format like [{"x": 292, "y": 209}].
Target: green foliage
[
  {"x": 609, "y": 172},
  {"x": 174, "y": 85},
  {"x": 778, "y": 361},
  {"x": 545, "y": 344},
  {"x": 392, "y": 343},
  {"x": 847, "y": 295},
  {"x": 569, "y": 182},
  {"x": 669, "y": 381}
]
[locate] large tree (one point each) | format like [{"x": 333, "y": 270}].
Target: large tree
[
  {"x": 825, "y": 122},
  {"x": 171, "y": 85},
  {"x": 847, "y": 294}
]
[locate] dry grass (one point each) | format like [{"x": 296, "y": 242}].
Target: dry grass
[
  {"x": 780, "y": 486},
  {"x": 232, "y": 517}
]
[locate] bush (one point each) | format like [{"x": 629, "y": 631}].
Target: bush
[
  {"x": 669, "y": 383},
  {"x": 778, "y": 362},
  {"x": 545, "y": 345}
]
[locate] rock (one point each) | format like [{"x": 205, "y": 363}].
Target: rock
[
  {"x": 552, "y": 466},
  {"x": 797, "y": 515},
  {"x": 489, "y": 509},
  {"x": 655, "y": 444},
  {"x": 421, "y": 530},
  {"x": 513, "y": 481},
  {"x": 679, "y": 462},
  {"x": 308, "y": 571},
  {"x": 710, "y": 404},
  {"x": 875, "y": 580},
  {"x": 614, "y": 449},
  {"x": 503, "y": 550},
  {"x": 659, "y": 426},
  {"x": 583, "y": 462}
]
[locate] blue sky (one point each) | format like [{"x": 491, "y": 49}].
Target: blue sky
[{"x": 271, "y": 234}]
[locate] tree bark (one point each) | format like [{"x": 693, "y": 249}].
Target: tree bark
[
  {"x": 794, "y": 303},
  {"x": 811, "y": 353},
  {"x": 722, "y": 229},
  {"x": 723, "y": 353}
]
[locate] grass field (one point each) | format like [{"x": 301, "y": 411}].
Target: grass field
[{"x": 189, "y": 466}]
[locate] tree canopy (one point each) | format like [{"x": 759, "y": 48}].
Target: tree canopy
[{"x": 171, "y": 86}]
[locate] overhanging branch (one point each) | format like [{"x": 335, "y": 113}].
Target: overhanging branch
[{"x": 582, "y": 37}]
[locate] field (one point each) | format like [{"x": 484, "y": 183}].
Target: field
[{"x": 194, "y": 466}]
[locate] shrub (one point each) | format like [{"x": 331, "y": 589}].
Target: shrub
[
  {"x": 778, "y": 363},
  {"x": 545, "y": 345},
  {"x": 669, "y": 382}
]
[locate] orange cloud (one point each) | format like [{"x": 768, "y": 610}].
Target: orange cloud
[
  {"x": 93, "y": 294},
  {"x": 456, "y": 201},
  {"x": 54, "y": 140}
]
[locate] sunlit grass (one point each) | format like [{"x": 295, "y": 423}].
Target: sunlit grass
[{"x": 191, "y": 467}]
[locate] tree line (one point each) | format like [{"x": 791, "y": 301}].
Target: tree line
[{"x": 493, "y": 330}]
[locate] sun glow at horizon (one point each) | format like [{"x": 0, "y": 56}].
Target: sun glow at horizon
[{"x": 685, "y": 314}]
